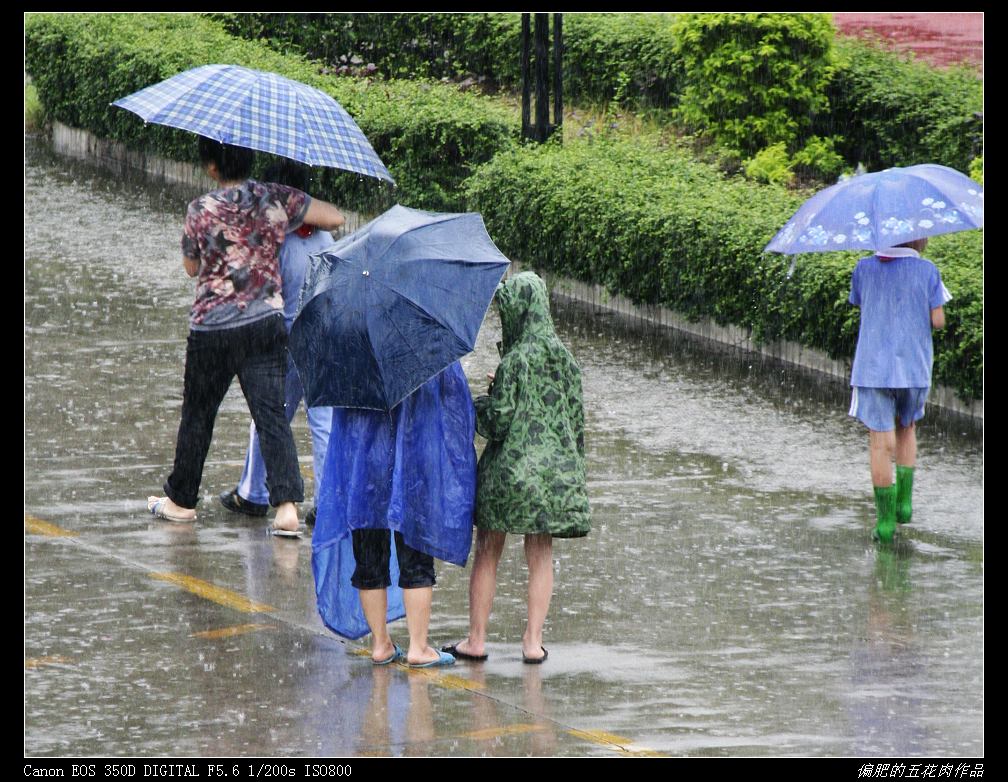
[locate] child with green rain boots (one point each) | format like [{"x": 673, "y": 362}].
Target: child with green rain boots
[{"x": 901, "y": 297}]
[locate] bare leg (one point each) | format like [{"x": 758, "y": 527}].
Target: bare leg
[
  {"x": 906, "y": 445},
  {"x": 539, "y": 556},
  {"x": 375, "y": 605},
  {"x": 482, "y": 587},
  {"x": 882, "y": 447},
  {"x": 418, "y": 611}
]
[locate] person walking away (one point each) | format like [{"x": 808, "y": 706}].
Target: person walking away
[
  {"x": 902, "y": 298},
  {"x": 230, "y": 243}
]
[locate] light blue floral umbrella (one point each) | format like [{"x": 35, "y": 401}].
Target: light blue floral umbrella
[
  {"x": 882, "y": 209},
  {"x": 259, "y": 110}
]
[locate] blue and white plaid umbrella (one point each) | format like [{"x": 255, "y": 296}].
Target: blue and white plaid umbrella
[
  {"x": 882, "y": 209},
  {"x": 259, "y": 110}
]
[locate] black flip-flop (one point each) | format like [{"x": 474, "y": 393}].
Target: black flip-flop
[
  {"x": 535, "y": 660},
  {"x": 454, "y": 652}
]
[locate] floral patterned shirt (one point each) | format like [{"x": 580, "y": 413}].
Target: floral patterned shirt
[{"x": 236, "y": 234}]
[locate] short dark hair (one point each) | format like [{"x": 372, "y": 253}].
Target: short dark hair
[
  {"x": 232, "y": 162},
  {"x": 288, "y": 172}
]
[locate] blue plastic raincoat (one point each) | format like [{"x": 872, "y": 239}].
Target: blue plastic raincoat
[{"x": 412, "y": 470}]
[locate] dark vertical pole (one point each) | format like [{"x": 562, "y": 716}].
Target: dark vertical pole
[
  {"x": 525, "y": 73},
  {"x": 558, "y": 74},
  {"x": 542, "y": 77}
]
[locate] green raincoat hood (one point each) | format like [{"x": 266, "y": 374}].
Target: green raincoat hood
[{"x": 523, "y": 302}]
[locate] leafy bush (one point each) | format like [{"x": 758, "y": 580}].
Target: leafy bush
[
  {"x": 959, "y": 346},
  {"x": 895, "y": 111},
  {"x": 771, "y": 165},
  {"x": 397, "y": 45},
  {"x": 976, "y": 169},
  {"x": 33, "y": 109},
  {"x": 819, "y": 160},
  {"x": 750, "y": 80},
  {"x": 429, "y": 136},
  {"x": 660, "y": 228},
  {"x": 753, "y": 80},
  {"x": 628, "y": 58}
]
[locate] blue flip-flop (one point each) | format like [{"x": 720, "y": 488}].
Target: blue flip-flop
[
  {"x": 443, "y": 659},
  {"x": 397, "y": 654}
]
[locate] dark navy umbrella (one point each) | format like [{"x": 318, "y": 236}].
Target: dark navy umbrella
[
  {"x": 882, "y": 209},
  {"x": 391, "y": 305}
]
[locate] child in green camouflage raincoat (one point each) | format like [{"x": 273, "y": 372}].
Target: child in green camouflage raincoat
[{"x": 531, "y": 476}]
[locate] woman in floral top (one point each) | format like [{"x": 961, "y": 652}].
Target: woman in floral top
[{"x": 230, "y": 243}]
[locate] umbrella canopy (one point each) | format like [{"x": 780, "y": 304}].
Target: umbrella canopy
[
  {"x": 879, "y": 210},
  {"x": 259, "y": 110},
  {"x": 389, "y": 306}
]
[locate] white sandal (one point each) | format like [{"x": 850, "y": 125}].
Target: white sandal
[
  {"x": 156, "y": 505},
  {"x": 286, "y": 533}
]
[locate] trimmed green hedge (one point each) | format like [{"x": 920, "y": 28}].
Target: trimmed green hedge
[
  {"x": 893, "y": 110},
  {"x": 429, "y": 136},
  {"x": 626, "y": 57},
  {"x": 660, "y": 228}
]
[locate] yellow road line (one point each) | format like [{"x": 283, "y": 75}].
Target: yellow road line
[
  {"x": 446, "y": 680},
  {"x": 228, "y": 632},
  {"x": 503, "y": 730},
  {"x": 239, "y": 602},
  {"x": 36, "y": 662},
  {"x": 205, "y": 589},
  {"x": 38, "y": 527},
  {"x": 620, "y": 744}
]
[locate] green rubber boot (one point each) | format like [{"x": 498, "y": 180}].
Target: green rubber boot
[
  {"x": 904, "y": 491},
  {"x": 885, "y": 508}
]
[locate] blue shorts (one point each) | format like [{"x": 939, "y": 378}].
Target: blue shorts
[{"x": 878, "y": 408}]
